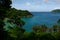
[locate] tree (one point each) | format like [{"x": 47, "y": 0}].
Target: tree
[
  {"x": 40, "y": 28},
  {"x": 16, "y": 33},
  {"x": 15, "y": 16},
  {"x": 44, "y": 28},
  {"x": 4, "y": 6},
  {"x": 55, "y": 28},
  {"x": 47, "y": 36}
]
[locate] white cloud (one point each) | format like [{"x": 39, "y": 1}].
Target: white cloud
[
  {"x": 57, "y": 8},
  {"x": 32, "y": 4},
  {"x": 28, "y": 3}
]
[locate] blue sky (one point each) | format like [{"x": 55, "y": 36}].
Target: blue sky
[{"x": 36, "y": 5}]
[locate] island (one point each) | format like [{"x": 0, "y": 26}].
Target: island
[{"x": 56, "y": 10}]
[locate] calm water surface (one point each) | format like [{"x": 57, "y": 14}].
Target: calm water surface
[{"x": 47, "y": 18}]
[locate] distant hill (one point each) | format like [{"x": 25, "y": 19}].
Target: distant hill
[{"x": 56, "y": 10}]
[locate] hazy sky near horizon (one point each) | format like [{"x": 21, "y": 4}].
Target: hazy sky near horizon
[{"x": 36, "y": 5}]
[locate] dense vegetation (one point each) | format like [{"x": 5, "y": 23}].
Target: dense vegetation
[
  {"x": 40, "y": 32},
  {"x": 56, "y": 10}
]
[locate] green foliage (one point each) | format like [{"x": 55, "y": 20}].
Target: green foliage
[
  {"x": 47, "y": 36},
  {"x": 4, "y": 6},
  {"x": 40, "y": 28},
  {"x": 57, "y": 36},
  {"x": 56, "y": 10},
  {"x": 58, "y": 21},
  {"x": 55, "y": 28},
  {"x": 15, "y": 16},
  {"x": 14, "y": 13},
  {"x": 16, "y": 32}
]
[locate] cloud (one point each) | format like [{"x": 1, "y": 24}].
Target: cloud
[
  {"x": 32, "y": 4},
  {"x": 28, "y": 3},
  {"x": 57, "y": 8}
]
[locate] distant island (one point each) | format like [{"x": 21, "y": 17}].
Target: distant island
[{"x": 56, "y": 10}]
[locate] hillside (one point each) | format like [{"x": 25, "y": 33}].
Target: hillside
[{"x": 56, "y": 10}]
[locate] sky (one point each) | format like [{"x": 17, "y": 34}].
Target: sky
[{"x": 36, "y": 5}]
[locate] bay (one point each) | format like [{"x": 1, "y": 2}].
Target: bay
[{"x": 47, "y": 18}]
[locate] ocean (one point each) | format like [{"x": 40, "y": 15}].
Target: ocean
[{"x": 39, "y": 18}]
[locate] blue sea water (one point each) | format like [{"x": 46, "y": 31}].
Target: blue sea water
[{"x": 48, "y": 18}]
